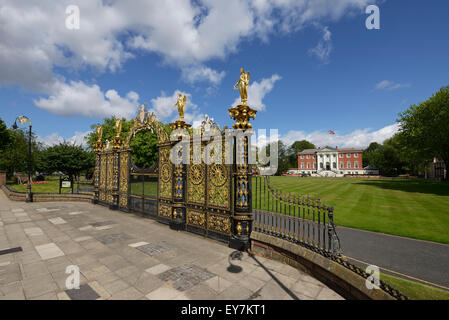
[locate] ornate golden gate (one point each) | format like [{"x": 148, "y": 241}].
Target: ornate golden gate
[{"x": 210, "y": 194}]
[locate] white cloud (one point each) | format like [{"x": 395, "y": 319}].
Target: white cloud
[
  {"x": 257, "y": 92},
  {"x": 34, "y": 40},
  {"x": 80, "y": 99},
  {"x": 194, "y": 74},
  {"x": 360, "y": 138},
  {"x": 391, "y": 85},
  {"x": 324, "y": 47},
  {"x": 55, "y": 138}
]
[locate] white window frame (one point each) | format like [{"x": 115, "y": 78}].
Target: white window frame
[
  {"x": 301, "y": 156},
  {"x": 302, "y": 165},
  {"x": 356, "y": 165},
  {"x": 308, "y": 165},
  {"x": 341, "y": 155},
  {"x": 356, "y": 155},
  {"x": 348, "y": 165},
  {"x": 348, "y": 155}
]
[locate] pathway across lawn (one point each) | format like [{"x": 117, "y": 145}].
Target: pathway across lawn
[{"x": 405, "y": 207}]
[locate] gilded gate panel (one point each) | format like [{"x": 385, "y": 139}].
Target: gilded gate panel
[
  {"x": 164, "y": 210},
  {"x": 110, "y": 178},
  {"x": 165, "y": 173},
  {"x": 219, "y": 186},
  {"x": 124, "y": 179},
  {"x": 219, "y": 223},
  {"x": 196, "y": 218},
  {"x": 196, "y": 184},
  {"x": 103, "y": 165}
]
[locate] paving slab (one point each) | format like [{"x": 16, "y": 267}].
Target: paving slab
[{"x": 124, "y": 256}]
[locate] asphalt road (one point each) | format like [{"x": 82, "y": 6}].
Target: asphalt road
[{"x": 424, "y": 260}]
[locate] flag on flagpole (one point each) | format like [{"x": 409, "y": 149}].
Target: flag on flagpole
[{"x": 331, "y": 132}]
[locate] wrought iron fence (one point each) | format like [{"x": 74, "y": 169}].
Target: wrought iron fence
[{"x": 291, "y": 216}]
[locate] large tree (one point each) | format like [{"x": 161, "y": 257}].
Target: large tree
[
  {"x": 424, "y": 127},
  {"x": 296, "y": 147},
  {"x": 66, "y": 158}
]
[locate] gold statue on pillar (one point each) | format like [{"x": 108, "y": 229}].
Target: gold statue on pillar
[
  {"x": 181, "y": 104},
  {"x": 242, "y": 84},
  {"x": 118, "y": 127},
  {"x": 99, "y": 133}
]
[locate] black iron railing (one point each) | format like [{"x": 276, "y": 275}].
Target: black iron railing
[{"x": 293, "y": 217}]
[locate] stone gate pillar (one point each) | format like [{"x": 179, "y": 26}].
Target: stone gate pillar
[{"x": 243, "y": 217}]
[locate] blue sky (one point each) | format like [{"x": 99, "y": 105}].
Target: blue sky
[{"x": 314, "y": 65}]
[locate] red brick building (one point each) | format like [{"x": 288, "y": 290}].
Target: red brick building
[{"x": 332, "y": 160}]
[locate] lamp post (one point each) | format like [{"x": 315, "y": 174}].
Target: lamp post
[{"x": 23, "y": 120}]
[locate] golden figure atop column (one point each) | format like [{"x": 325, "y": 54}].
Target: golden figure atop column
[
  {"x": 99, "y": 133},
  {"x": 181, "y": 104},
  {"x": 117, "y": 141},
  {"x": 98, "y": 145},
  {"x": 118, "y": 127},
  {"x": 243, "y": 84},
  {"x": 242, "y": 113}
]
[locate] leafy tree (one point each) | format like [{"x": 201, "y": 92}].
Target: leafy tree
[
  {"x": 296, "y": 147},
  {"x": 5, "y": 137},
  {"x": 66, "y": 158},
  {"x": 14, "y": 157},
  {"x": 371, "y": 155},
  {"x": 424, "y": 128}
]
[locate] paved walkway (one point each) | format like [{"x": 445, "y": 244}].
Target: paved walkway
[
  {"x": 423, "y": 260},
  {"x": 123, "y": 256}
]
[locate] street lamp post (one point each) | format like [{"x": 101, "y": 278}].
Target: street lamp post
[{"x": 23, "y": 120}]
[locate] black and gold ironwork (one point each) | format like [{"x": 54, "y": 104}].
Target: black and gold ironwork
[
  {"x": 207, "y": 195},
  {"x": 294, "y": 217}
]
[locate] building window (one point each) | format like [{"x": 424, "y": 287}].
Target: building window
[
  {"x": 348, "y": 155},
  {"x": 341, "y": 155},
  {"x": 348, "y": 165},
  {"x": 308, "y": 165},
  {"x": 314, "y": 165},
  {"x": 334, "y": 165},
  {"x": 314, "y": 156},
  {"x": 307, "y": 156},
  {"x": 302, "y": 165},
  {"x": 356, "y": 155},
  {"x": 321, "y": 165},
  {"x": 301, "y": 156},
  {"x": 342, "y": 165},
  {"x": 356, "y": 165}
]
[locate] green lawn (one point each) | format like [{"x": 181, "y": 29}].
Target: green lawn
[
  {"x": 406, "y": 207},
  {"x": 149, "y": 188},
  {"x": 415, "y": 290},
  {"x": 51, "y": 187}
]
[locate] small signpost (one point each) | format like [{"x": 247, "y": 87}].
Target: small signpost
[{"x": 65, "y": 182}]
